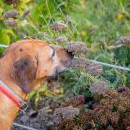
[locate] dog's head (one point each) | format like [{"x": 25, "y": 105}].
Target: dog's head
[{"x": 33, "y": 60}]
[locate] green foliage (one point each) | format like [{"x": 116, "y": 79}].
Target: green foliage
[{"x": 99, "y": 23}]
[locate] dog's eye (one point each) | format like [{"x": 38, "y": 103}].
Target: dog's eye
[{"x": 52, "y": 52}]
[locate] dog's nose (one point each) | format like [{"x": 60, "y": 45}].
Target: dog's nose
[{"x": 70, "y": 54}]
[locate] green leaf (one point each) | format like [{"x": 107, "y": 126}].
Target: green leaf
[{"x": 4, "y": 37}]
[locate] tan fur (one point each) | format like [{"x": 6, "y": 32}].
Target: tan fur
[{"x": 24, "y": 65}]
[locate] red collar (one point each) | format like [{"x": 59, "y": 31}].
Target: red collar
[{"x": 11, "y": 95}]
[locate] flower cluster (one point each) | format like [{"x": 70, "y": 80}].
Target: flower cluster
[
  {"x": 61, "y": 39},
  {"x": 77, "y": 48},
  {"x": 11, "y": 22},
  {"x": 10, "y": 17},
  {"x": 11, "y": 14},
  {"x": 94, "y": 69},
  {"x": 123, "y": 40},
  {"x": 75, "y": 101},
  {"x": 79, "y": 63},
  {"x": 99, "y": 87},
  {"x": 9, "y": 2},
  {"x": 59, "y": 26}
]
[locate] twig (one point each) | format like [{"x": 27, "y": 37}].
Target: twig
[
  {"x": 4, "y": 46},
  {"x": 109, "y": 65},
  {"x": 23, "y": 126}
]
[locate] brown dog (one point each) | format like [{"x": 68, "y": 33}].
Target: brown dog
[{"x": 23, "y": 67}]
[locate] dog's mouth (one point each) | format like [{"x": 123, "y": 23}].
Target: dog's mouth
[
  {"x": 56, "y": 73},
  {"x": 54, "y": 78}
]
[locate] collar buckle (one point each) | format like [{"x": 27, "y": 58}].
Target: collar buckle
[{"x": 23, "y": 103}]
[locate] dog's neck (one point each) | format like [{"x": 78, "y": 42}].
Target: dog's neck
[
  {"x": 5, "y": 76},
  {"x": 8, "y": 109}
]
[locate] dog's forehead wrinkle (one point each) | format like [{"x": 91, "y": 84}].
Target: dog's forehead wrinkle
[{"x": 52, "y": 51}]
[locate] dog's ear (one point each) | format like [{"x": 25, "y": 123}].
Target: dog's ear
[
  {"x": 42, "y": 55},
  {"x": 24, "y": 73}
]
